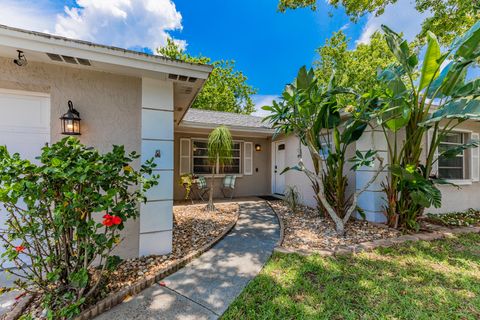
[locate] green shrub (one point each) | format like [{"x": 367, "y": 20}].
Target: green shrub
[{"x": 64, "y": 216}]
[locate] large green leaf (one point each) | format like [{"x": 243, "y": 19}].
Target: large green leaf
[
  {"x": 431, "y": 62},
  {"x": 454, "y": 77},
  {"x": 468, "y": 45},
  {"x": 353, "y": 131},
  {"x": 471, "y": 88},
  {"x": 462, "y": 109},
  {"x": 400, "y": 120},
  {"x": 455, "y": 151},
  {"x": 392, "y": 77},
  {"x": 400, "y": 49}
]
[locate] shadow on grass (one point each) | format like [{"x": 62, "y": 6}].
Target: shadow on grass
[{"x": 425, "y": 280}]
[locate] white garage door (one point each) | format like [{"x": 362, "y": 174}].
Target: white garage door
[{"x": 24, "y": 126}]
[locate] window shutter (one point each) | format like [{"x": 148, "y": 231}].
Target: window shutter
[
  {"x": 248, "y": 158},
  {"x": 475, "y": 163},
  {"x": 435, "y": 156},
  {"x": 185, "y": 149}
]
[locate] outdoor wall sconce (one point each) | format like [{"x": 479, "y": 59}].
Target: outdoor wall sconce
[
  {"x": 71, "y": 121},
  {"x": 258, "y": 147},
  {"x": 21, "y": 61}
]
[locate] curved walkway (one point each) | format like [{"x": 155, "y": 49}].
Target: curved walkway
[{"x": 205, "y": 288}]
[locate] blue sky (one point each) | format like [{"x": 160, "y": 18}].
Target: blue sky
[{"x": 267, "y": 46}]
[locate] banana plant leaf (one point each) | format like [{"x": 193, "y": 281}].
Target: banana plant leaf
[
  {"x": 353, "y": 131},
  {"x": 400, "y": 49},
  {"x": 431, "y": 61},
  {"x": 471, "y": 88},
  {"x": 468, "y": 45},
  {"x": 455, "y": 151},
  {"x": 462, "y": 109}
]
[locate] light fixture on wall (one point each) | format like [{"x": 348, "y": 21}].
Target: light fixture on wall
[
  {"x": 71, "y": 121},
  {"x": 21, "y": 61},
  {"x": 258, "y": 147}
]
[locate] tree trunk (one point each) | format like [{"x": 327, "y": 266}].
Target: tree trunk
[{"x": 211, "y": 206}]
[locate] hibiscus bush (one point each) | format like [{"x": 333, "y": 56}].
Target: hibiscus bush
[{"x": 63, "y": 218}]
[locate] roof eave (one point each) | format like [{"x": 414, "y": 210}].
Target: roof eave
[
  {"x": 42, "y": 42},
  {"x": 198, "y": 125}
]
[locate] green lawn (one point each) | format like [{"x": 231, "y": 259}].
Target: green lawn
[{"x": 422, "y": 280}]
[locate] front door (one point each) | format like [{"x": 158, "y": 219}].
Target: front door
[{"x": 279, "y": 166}]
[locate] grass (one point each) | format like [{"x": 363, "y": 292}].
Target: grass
[
  {"x": 421, "y": 280},
  {"x": 470, "y": 217}
]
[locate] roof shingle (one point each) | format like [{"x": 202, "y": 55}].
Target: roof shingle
[{"x": 225, "y": 118}]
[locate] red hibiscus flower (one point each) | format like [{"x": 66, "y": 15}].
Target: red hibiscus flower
[
  {"x": 109, "y": 220},
  {"x": 19, "y": 248}
]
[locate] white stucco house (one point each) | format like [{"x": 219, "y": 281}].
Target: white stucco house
[
  {"x": 142, "y": 101},
  {"x": 123, "y": 97}
]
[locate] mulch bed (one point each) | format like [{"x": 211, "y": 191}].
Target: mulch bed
[
  {"x": 307, "y": 230},
  {"x": 193, "y": 229}
]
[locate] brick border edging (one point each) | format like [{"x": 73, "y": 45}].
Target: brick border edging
[
  {"x": 117, "y": 297},
  {"x": 282, "y": 226},
  {"x": 438, "y": 232}
]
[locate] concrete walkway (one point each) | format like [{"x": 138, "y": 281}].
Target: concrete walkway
[{"x": 205, "y": 288}]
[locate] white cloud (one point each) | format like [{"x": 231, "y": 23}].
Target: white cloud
[
  {"x": 37, "y": 16},
  {"x": 401, "y": 17},
  {"x": 122, "y": 23},
  {"x": 260, "y": 101}
]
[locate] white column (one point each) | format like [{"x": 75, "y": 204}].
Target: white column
[
  {"x": 156, "y": 216},
  {"x": 372, "y": 201}
]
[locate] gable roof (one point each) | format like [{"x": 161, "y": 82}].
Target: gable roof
[
  {"x": 208, "y": 118},
  {"x": 12, "y": 39}
]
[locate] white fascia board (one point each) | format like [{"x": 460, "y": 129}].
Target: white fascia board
[{"x": 98, "y": 53}]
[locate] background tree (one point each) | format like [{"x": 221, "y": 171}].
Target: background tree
[
  {"x": 357, "y": 68},
  {"x": 225, "y": 90},
  {"x": 449, "y": 17},
  {"x": 219, "y": 154}
]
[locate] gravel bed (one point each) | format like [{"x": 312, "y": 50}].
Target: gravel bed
[
  {"x": 193, "y": 228},
  {"x": 307, "y": 230}
]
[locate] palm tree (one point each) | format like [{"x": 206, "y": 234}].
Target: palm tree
[{"x": 219, "y": 153}]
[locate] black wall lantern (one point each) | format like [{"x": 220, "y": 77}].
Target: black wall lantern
[
  {"x": 71, "y": 121},
  {"x": 258, "y": 147}
]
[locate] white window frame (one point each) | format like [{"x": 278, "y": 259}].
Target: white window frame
[
  {"x": 465, "y": 181},
  {"x": 462, "y": 155},
  {"x": 240, "y": 157}
]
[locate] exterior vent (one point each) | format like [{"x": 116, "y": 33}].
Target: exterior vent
[
  {"x": 69, "y": 59},
  {"x": 83, "y": 62},
  {"x": 55, "y": 57},
  {"x": 177, "y": 77}
]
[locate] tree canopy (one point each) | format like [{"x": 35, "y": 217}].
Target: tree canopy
[
  {"x": 449, "y": 17},
  {"x": 355, "y": 68},
  {"x": 225, "y": 90}
]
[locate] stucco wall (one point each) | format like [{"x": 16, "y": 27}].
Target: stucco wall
[
  {"x": 298, "y": 179},
  {"x": 246, "y": 185},
  {"x": 109, "y": 105}
]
